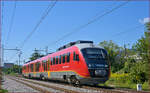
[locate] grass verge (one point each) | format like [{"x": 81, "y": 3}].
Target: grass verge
[
  {"x": 122, "y": 81},
  {"x": 3, "y": 91}
]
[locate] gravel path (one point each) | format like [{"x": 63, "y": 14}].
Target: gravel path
[{"x": 13, "y": 86}]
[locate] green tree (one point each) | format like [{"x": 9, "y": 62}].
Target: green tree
[
  {"x": 113, "y": 51},
  {"x": 35, "y": 55},
  {"x": 140, "y": 72},
  {"x": 14, "y": 69},
  {"x": 143, "y": 44},
  {"x": 128, "y": 66}
]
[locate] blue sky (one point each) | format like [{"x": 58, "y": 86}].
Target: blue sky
[{"x": 65, "y": 17}]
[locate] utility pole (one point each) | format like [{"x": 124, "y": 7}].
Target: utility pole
[
  {"x": 46, "y": 50},
  {"x": 125, "y": 50},
  {"x": 19, "y": 55},
  {"x": 149, "y": 46},
  {"x": 36, "y": 50},
  {"x": 2, "y": 62},
  {"x": 0, "y": 51}
]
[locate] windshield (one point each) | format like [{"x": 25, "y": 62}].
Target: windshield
[{"x": 94, "y": 53}]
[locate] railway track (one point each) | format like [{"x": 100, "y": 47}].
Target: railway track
[
  {"x": 34, "y": 87},
  {"x": 64, "y": 87},
  {"x": 34, "y": 84}
]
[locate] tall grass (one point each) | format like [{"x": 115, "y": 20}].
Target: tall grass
[{"x": 123, "y": 81}]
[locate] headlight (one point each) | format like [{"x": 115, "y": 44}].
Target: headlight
[
  {"x": 89, "y": 65},
  {"x": 100, "y": 72}
]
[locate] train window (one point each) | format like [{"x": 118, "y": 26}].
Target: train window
[
  {"x": 56, "y": 59},
  {"x": 53, "y": 60},
  {"x": 48, "y": 64},
  {"x": 60, "y": 59},
  {"x": 34, "y": 68},
  {"x": 74, "y": 56},
  {"x": 37, "y": 66},
  {"x": 94, "y": 53},
  {"x": 44, "y": 64},
  {"x": 24, "y": 68},
  {"x": 68, "y": 57},
  {"x": 64, "y": 58},
  {"x": 31, "y": 67},
  {"x": 43, "y": 67},
  {"x": 28, "y": 68},
  {"x": 77, "y": 57}
]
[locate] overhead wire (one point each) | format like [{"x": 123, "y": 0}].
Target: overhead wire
[
  {"x": 124, "y": 32},
  {"x": 106, "y": 9},
  {"x": 46, "y": 12},
  {"x": 2, "y": 18},
  {"x": 129, "y": 30},
  {"x": 90, "y": 22},
  {"x": 44, "y": 15},
  {"x": 80, "y": 27},
  {"x": 11, "y": 23},
  {"x": 1, "y": 30}
]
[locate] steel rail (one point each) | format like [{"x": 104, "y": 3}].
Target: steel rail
[
  {"x": 97, "y": 88},
  {"x": 33, "y": 87},
  {"x": 48, "y": 86}
]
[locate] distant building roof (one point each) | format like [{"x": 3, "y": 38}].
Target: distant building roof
[{"x": 8, "y": 65}]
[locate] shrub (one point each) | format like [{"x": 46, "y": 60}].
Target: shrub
[
  {"x": 139, "y": 73},
  {"x": 119, "y": 78},
  {"x": 127, "y": 67}
]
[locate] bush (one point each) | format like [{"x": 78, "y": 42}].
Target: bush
[
  {"x": 146, "y": 86},
  {"x": 3, "y": 91},
  {"x": 139, "y": 73},
  {"x": 127, "y": 67},
  {"x": 123, "y": 81},
  {"x": 116, "y": 67},
  {"x": 119, "y": 78}
]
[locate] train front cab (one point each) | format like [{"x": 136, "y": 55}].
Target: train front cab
[{"x": 97, "y": 64}]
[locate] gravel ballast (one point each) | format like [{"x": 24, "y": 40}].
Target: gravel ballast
[{"x": 13, "y": 86}]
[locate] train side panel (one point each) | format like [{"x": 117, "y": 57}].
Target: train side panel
[{"x": 61, "y": 71}]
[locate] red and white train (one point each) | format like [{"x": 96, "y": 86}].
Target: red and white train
[{"x": 77, "y": 62}]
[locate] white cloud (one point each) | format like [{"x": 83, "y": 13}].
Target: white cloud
[{"x": 145, "y": 20}]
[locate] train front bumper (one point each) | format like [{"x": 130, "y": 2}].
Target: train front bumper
[{"x": 93, "y": 80}]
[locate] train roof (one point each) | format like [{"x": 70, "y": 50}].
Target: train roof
[
  {"x": 74, "y": 43},
  {"x": 80, "y": 44}
]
